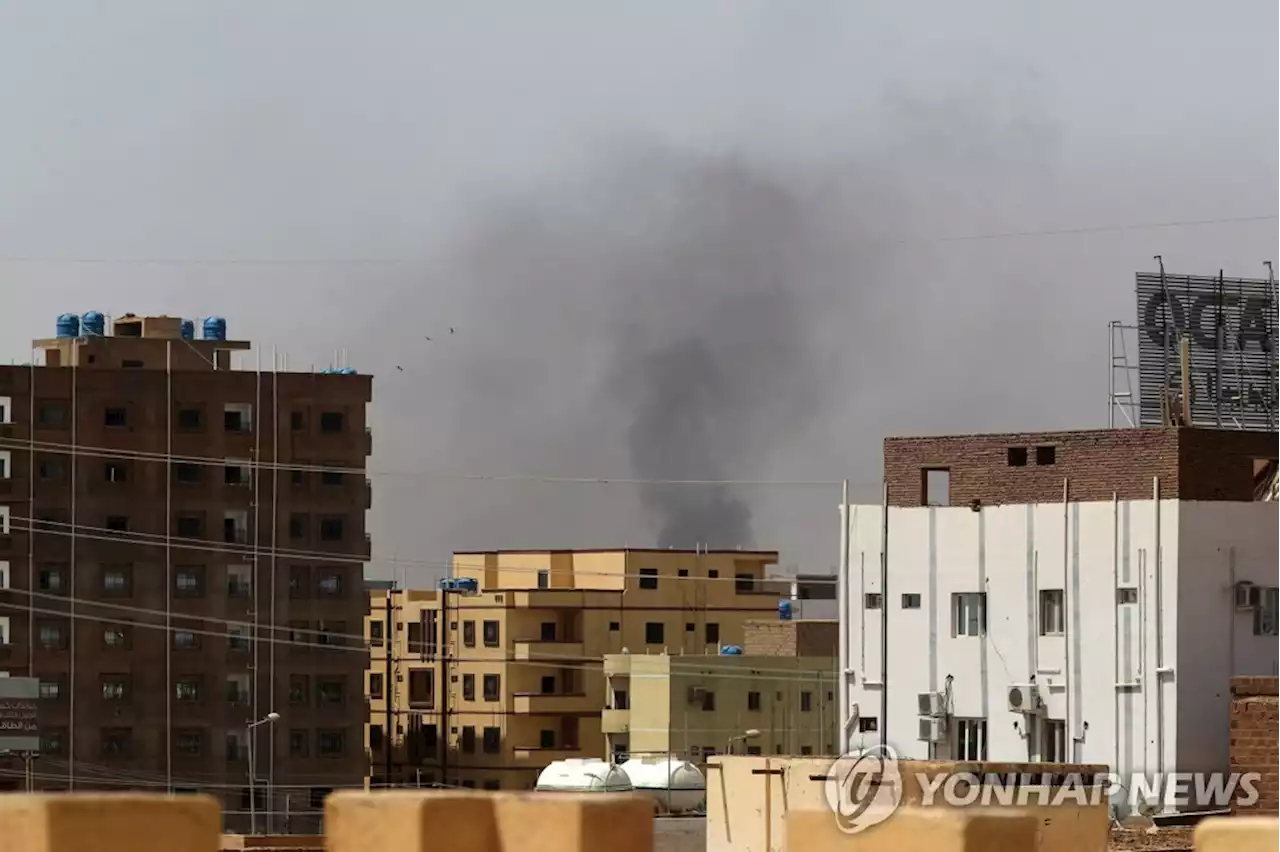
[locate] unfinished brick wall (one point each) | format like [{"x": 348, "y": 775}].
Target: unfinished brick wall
[
  {"x": 1193, "y": 464},
  {"x": 1255, "y": 746},
  {"x": 791, "y": 638}
]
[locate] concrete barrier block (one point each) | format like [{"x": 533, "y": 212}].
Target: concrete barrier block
[
  {"x": 574, "y": 823},
  {"x": 914, "y": 830},
  {"x": 91, "y": 822},
  {"x": 1238, "y": 834},
  {"x": 410, "y": 821}
]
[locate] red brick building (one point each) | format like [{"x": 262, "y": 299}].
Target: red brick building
[{"x": 1255, "y": 744}]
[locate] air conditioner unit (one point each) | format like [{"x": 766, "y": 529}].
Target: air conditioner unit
[
  {"x": 1247, "y": 595},
  {"x": 931, "y": 704},
  {"x": 932, "y": 730},
  {"x": 1025, "y": 699}
]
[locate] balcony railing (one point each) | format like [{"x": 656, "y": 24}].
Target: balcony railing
[
  {"x": 537, "y": 649},
  {"x": 615, "y": 721},
  {"x": 553, "y": 703}
]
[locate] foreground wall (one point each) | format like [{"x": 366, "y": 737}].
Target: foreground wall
[{"x": 432, "y": 821}]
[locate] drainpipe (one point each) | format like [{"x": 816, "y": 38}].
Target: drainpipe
[
  {"x": 1067, "y": 635},
  {"x": 1159, "y": 593},
  {"x": 1115, "y": 630},
  {"x": 842, "y": 595}
]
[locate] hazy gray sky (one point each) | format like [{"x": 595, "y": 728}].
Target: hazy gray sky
[{"x": 582, "y": 188}]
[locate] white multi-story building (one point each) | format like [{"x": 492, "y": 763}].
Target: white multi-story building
[{"x": 1068, "y": 597}]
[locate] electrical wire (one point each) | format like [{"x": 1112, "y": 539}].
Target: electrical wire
[
  {"x": 61, "y": 448},
  {"x": 38, "y": 526}
]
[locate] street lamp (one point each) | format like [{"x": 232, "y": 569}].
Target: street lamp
[
  {"x": 749, "y": 734},
  {"x": 253, "y": 798}
]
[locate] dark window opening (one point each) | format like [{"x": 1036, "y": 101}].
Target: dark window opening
[
  {"x": 117, "y": 523},
  {"x": 744, "y": 584},
  {"x": 648, "y": 578},
  {"x": 492, "y": 687},
  {"x": 653, "y": 633},
  {"x": 190, "y": 419},
  {"x": 115, "y": 417},
  {"x": 1046, "y": 455},
  {"x": 935, "y": 486},
  {"x": 331, "y": 529},
  {"x": 1017, "y": 456},
  {"x": 187, "y": 473},
  {"x": 331, "y": 422},
  {"x": 713, "y": 633}
]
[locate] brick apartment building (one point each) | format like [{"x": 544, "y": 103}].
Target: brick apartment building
[
  {"x": 1255, "y": 746},
  {"x": 171, "y": 572}
]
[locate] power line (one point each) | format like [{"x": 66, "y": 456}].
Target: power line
[{"x": 80, "y": 450}]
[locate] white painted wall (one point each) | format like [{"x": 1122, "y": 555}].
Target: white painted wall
[{"x": 1013, "y": 552}]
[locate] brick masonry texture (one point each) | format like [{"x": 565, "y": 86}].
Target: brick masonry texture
[
  {"x": 1255, "y": 746},
  {"x": 1193, "y": 464},
  {"x": 791, "y": 638}
]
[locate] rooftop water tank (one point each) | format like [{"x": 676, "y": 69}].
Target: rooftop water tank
[
  {"x": 730, "y": 651},
  {"x": 583, "y": 775},
  {"x": 469, "y": 585},
  {"x": 93, "y": 324},
  {"x": 187, "y": 330},
  {"x": 676, "y": 786},
  {"x": 215, "y": 328},
  {"x": 784, "y": 610},
  {"x": 68, "y": 325},
  {"x": 348, "y": 371}
]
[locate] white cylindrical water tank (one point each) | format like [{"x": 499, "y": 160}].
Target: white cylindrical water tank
[
  {"x": 675, "y": 785},
  {"x": 583, "y": 775}
]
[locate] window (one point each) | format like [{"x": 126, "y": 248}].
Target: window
[
  {"x": 708, "y": 701},
  {"x": 683, "y": 572},
  {"x": 52, "y": 469},
  {"x": 1127, "y": 595},
  {"x": 237, "y": 417},
  {"x": 331, "y": 529},
  {"x": 492, "y": 738},
  {"x": 910, "y": 601},
  {"x": 653, "y": 633},
  {"x": 50, "y": 580},
  {"x": 469, "y": 687},
  {"x": 115, "y": 688},
  {"x": 117, "y": 742},
  {"x": 331, "y": 477},
  {"x": 1264, "y": 614},
  {"x": 690, "y": 627},
  {"x": 237, "y": 639},
  {"x": 544, "y": 578},
  {"x": 547, "y": 685},
  {"x": 375, "y": 685},
  {"x": 469, "y": 634},
  {"x": 546, "y": 739},
  {"x": 189, "y": 526},
  {"x": 117, "y": 523},
  {"x": 188, "y": 581},
  {"x": 648, "y": 578},
  {"x": 297, "y": 421},
  {"x": 805, "y": 750},
  {"x": 115, "y": 471},
  {"x": 491, "y": 634},
  {"x": 50, "y": 690},
  {"x": 868, "y": 724},
  {"x": 331, "y": 743},
  {"x": 53, "y": 742},
  {"x": 971, "y": 739},
  {"x": 1046, "y": 455},
  {"x": 187, "y": 473},
  {"x": 299, "y": 690},
  {"x": 331, "y": 422},
  {"x": 187, "y": 690},
  {"x": 754, "y": 750},
  {"x": 1053, "y": 741},
  {"x": 330, "y": 584},
  {"x": 621, "y": 700},
  {"x": 376, "y": 633},
  {"x": 116, "y": 581},
  {"x": 422, "y": 688},
  {"x": 614, "y": 627},
  {"x": 331, "y": 691},
  {"x": 744, "y": 584},
  {"x": 298, "y": 742},
  {"x": 237, "y": 473},
  {"x": 1017, "y": 456},
  {"x": 52, "y": 636},
  {"x": 468, "y": 740},
  {"x": 713, "y": 573},
  {"x": 297, "y": 527},
  {"x": 935, "y": 487},
  {"x": 115, "y": 417},
  {"x": 492, "y": 687},
  {"x": 299, "y": 581},
  {"x": 806, "y": 702},
  {"x": 189, "y": 743},
  {"x": 185, "y": 640},
  {"x": 4, "y": 465},
  {"x": 969, "y": 614},
  {"x": 490, "y": 784},
  {"x": 52, "y": 415},
  {"x": 713, "y": 633},
  {"x": 1051, "y": 616},
  {"x": 190, "y": 420},
  {"x": 872, "y": 600},
  {"x": 115, "y": 637},
  {"x": 375, "y": 737},
  {"x": 546, "y": 632},
  {"x": 753, "y": 701},
  {"x": 239, "y": 581}
]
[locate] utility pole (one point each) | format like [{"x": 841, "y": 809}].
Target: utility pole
[
  {"x": 389, "y": 689},
  {"x": 442, "y": 741}
]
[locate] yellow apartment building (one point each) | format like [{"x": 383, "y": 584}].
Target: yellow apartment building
[
  {"x": 501, "y": 674},
  {"x": 696, "y": 707}
]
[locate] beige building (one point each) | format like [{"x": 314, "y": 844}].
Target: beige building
[
  {"x": 494, "y": 682},
  {"x": 696, "y": 707}
]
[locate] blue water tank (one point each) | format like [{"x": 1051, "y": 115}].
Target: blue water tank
[
  {"x": 93, "y": 324},
  {"x": 447, "y": 584},
  {"x": 215, "y": 328},
  {"x": 68, "y": 325},
  {"x": 469, "y": 585},
  {"x": 348, "y": 371},
  {"x": 784, "y": 610},
  {"x": 187, "y": 330},
  {"x": 730, "y": 651}
]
